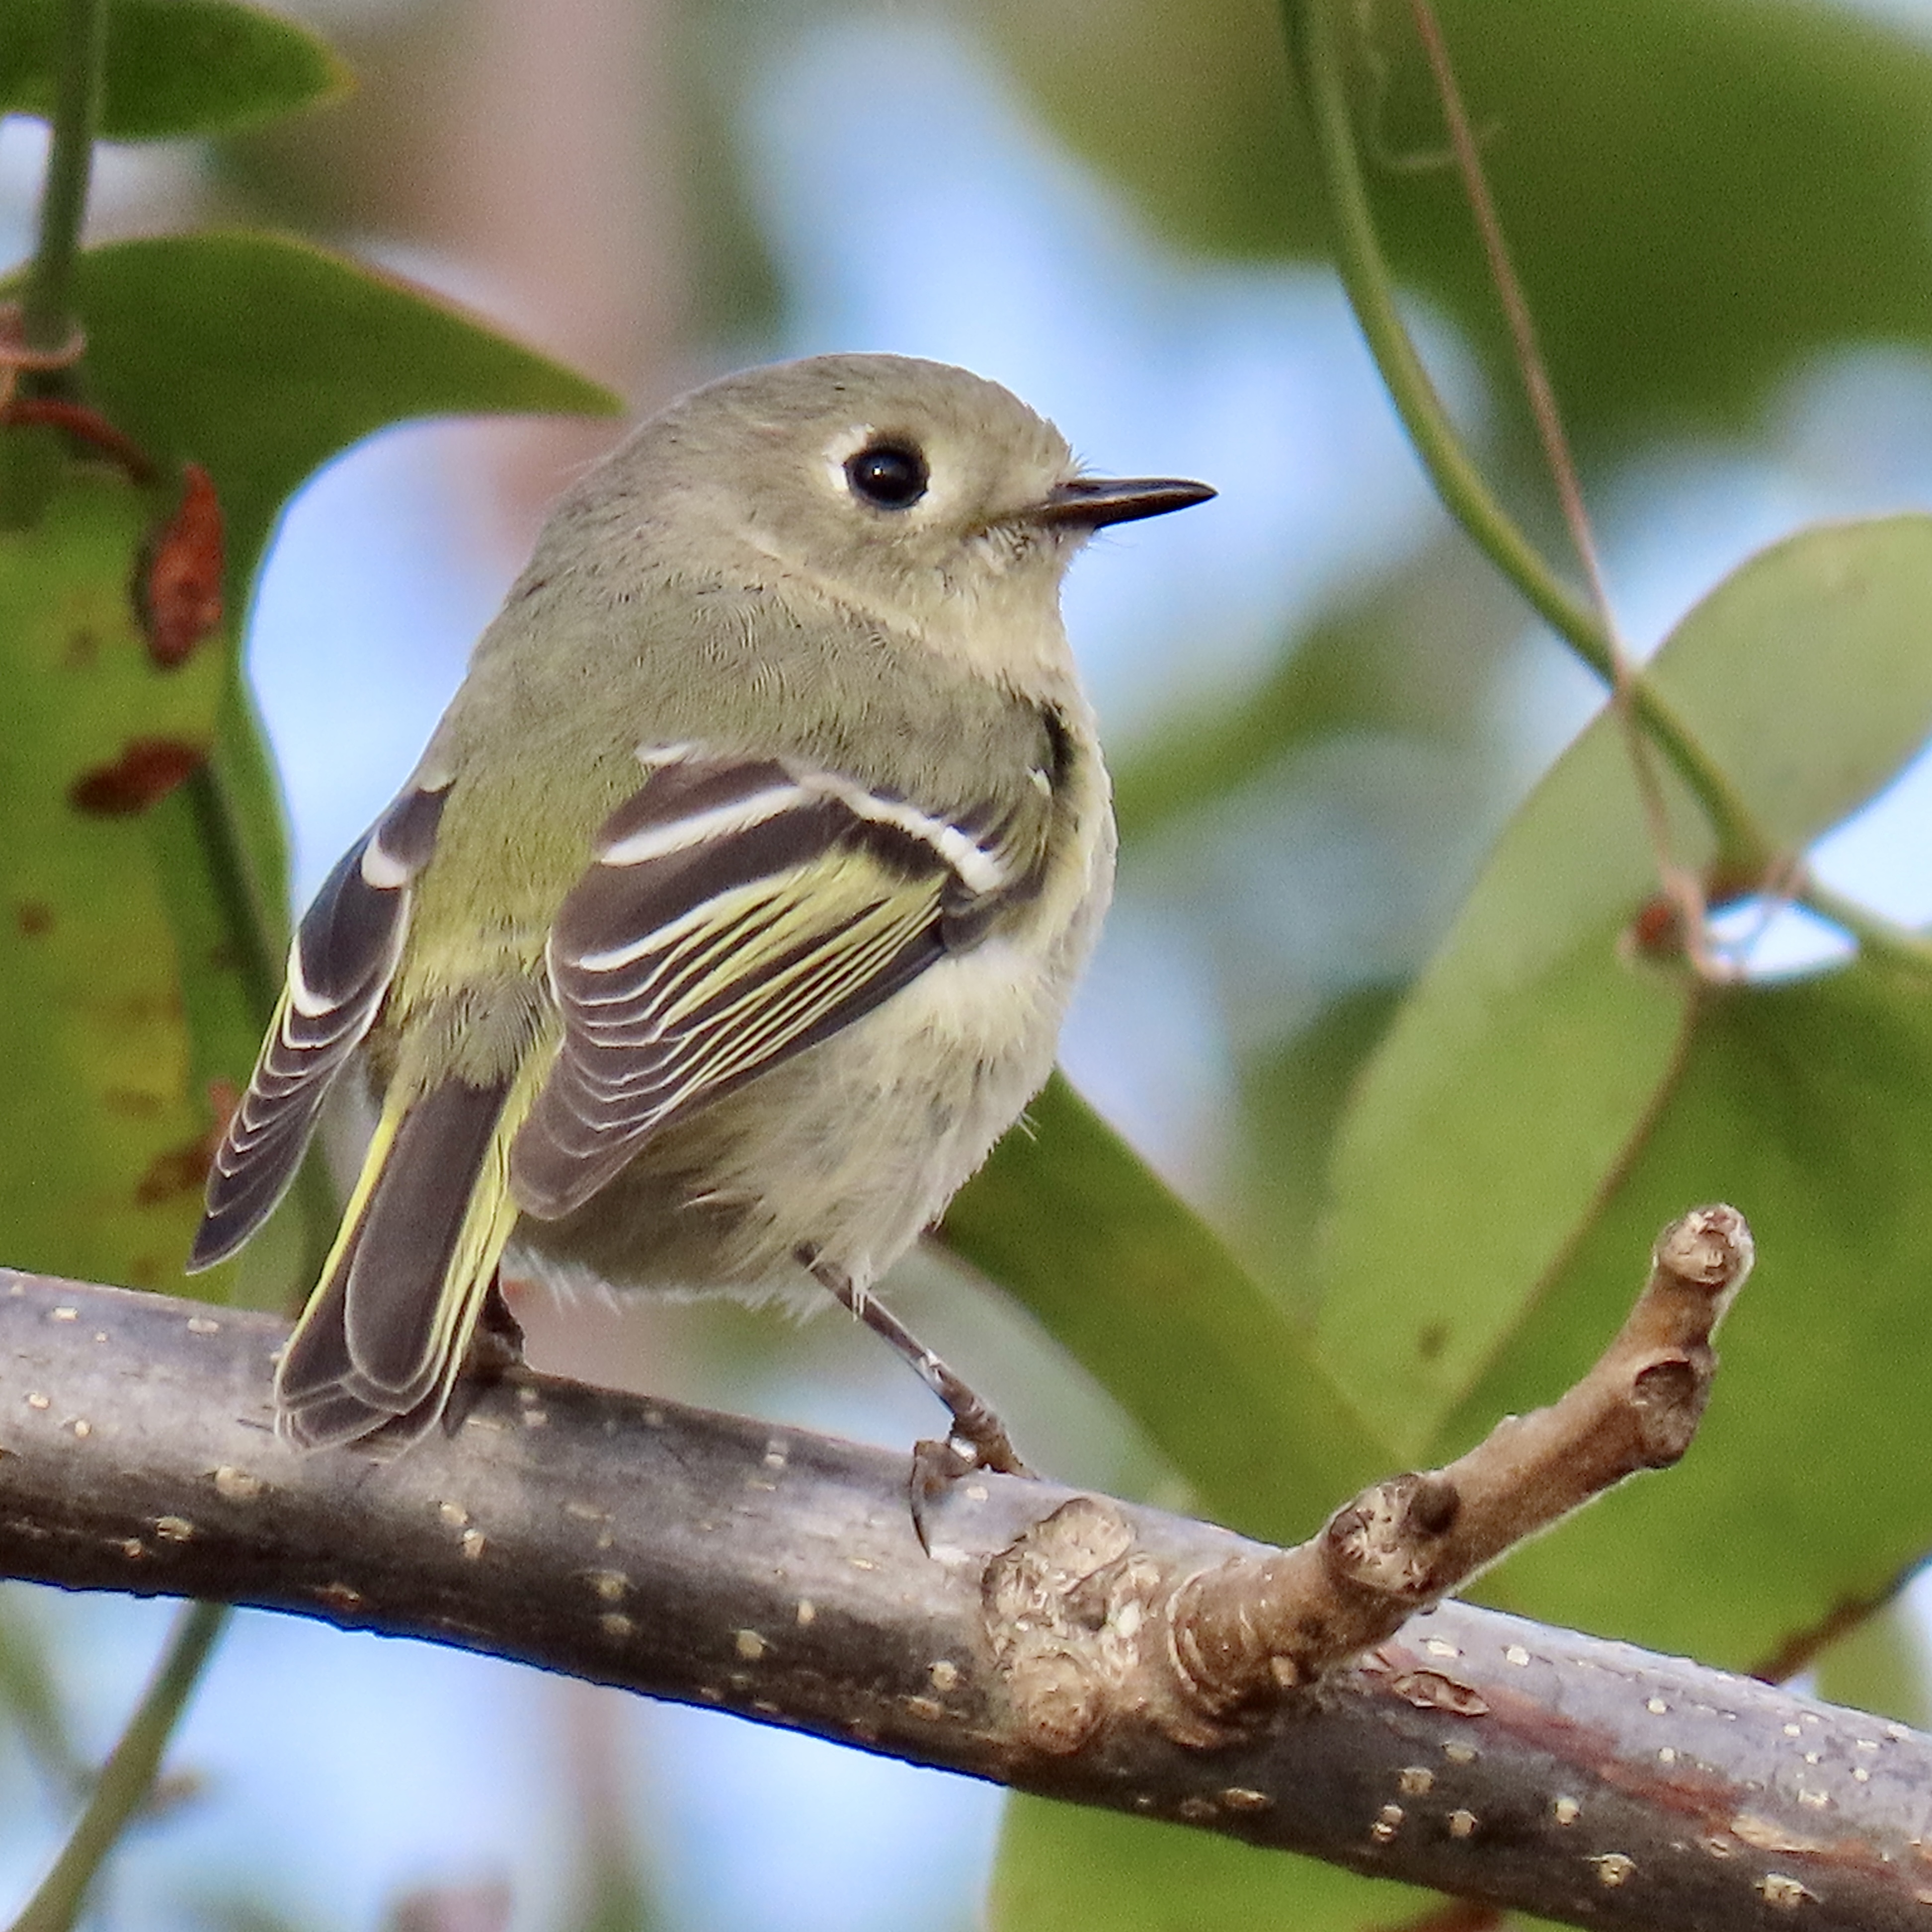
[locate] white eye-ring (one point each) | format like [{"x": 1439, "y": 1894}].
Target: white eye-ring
[{"x": 883, "y": 470}]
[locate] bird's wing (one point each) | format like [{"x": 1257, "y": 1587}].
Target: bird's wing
[
  {"x": 738, "y": 912},
  {"x": 340, "y": 965}
]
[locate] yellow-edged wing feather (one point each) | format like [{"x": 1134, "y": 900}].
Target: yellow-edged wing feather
[{"x": 737, "y": 913}]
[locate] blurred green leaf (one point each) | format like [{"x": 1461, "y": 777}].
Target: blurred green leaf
[
  {"x": 1532, "y": 1053},
  {"x": 1699, "y": 194},
  {"x": 1063, "y": 1868},
  {"x": 1808, "y": 1106},
  {"x": 1505, "y": 1090},
  {"x": 1293, "y": 1100},
  {"x": 1415, "y": 656},
  {"x": 174, "y": 67},
  {"x": 146, "y": 947},
  {"x": 1805, "y": 672},
  {"x": 263, "y": 357},
  {"x": 1135, "y": 1285},
  {"x": 103, "y": 1127}
]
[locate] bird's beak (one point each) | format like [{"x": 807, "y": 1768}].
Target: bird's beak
[{"x": 1086, "y": 502}]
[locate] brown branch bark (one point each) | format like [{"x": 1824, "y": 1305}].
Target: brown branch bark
[
  {"x": 1254, "y": 1626},
  {"x": 760, "y": 1570}
]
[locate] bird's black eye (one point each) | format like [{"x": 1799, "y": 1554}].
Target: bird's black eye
[{"x": 889, "y": 476}]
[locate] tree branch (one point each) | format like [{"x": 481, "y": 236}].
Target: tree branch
[{"x": 722, "y": 1561}]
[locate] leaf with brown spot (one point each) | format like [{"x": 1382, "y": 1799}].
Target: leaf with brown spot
[
  {"x": 93, "y": 1030},
  {"x": 178, "y": 589},
  {"x": 146, "y": 771},
  {"x": 154, "y": 956}
]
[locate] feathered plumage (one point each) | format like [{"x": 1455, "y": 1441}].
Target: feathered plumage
[{"x": 730, "y": 914}]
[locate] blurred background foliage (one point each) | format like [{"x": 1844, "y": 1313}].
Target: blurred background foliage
[{"x": 1369, "y": 1005}]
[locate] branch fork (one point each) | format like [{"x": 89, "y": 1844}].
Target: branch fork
[{"x": 1076, "y": 1612}]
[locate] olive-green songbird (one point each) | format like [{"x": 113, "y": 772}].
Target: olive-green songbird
[{"x": 729, "y": 917}]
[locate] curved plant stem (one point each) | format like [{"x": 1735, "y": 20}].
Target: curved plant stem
[
  {"x": 1315, "y": 58},
  {"x": 128, "y": 1774},
  {"x": 1681, "y": 883},
  {"x": 47, "y": 316}
]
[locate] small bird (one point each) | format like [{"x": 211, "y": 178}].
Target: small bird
[{"x": 729, "y": 918}]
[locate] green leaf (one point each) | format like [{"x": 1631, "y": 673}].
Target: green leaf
[
  {"x": 1293, "y": 1101},
  {"x": 101, "y": 1171},
  {"x": 1504, "y": 1093},
  {"x": 1699, "y": 195},
  {"x": 174, "y": 67},
  {"x": 263, "y": 357},
  {"x": 1533, "y": 1051},
  {"x": 1805, "y": 672},
  {"x": 1808, "y": 1106},
  {"x": 1135, "y": 1286},
  {"x": 148, "y": 945},
  {"x": 1064, "y": 1868}
]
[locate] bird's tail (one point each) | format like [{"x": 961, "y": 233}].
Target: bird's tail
[{"x": 390, "y": 1322}]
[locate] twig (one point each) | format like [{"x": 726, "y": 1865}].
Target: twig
[
  {"x": 1248, "y": 1629},
  {"x": 1530, "y": 364},
  {"x": 129, "y": 1773}
]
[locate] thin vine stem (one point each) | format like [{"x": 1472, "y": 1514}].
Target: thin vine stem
[
  {"x": 46, "y": 308},
  {"x": 1682, "y": 884},
  {"x": 128, "y": 1774},
  {"x": 1315, "y": 58},
  {"x": 1530, "y": 364}
]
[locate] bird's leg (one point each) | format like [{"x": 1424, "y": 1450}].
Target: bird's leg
[
  {"x": 496, "y": 1347},
  {"x": 498, "y": 1342},
  {"x": 978, "y": 1438}
]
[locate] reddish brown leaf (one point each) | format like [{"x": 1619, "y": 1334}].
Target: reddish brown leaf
[
  {"x": 178, "y": 588},
  {"x": 147, "y": 770}
]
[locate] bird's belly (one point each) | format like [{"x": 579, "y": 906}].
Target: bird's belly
[{"x": 849, "y": 1151}]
